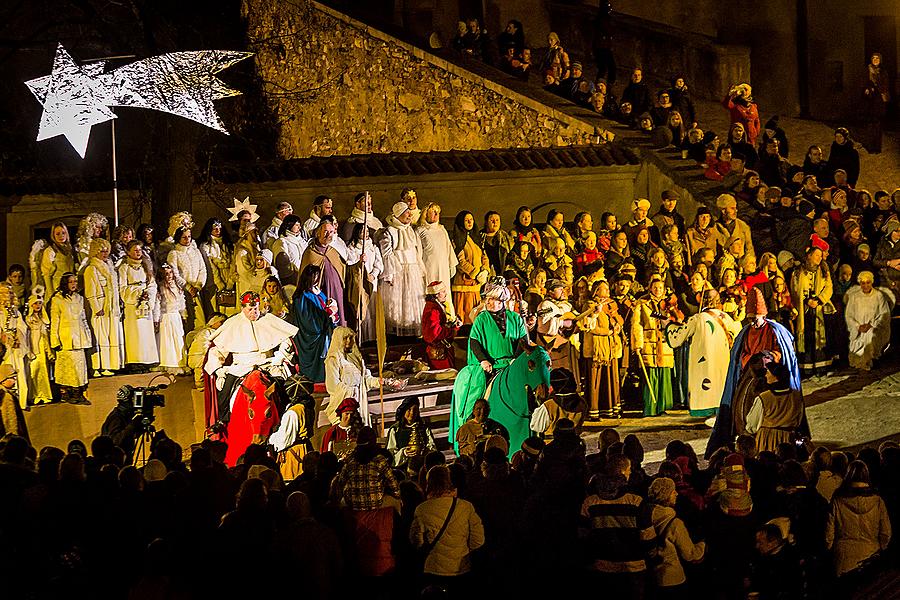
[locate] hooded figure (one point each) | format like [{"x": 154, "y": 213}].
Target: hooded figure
[
  {"x": 843, "y": 155},
  {"x": 772, "y": 131},
  {"x": 346, "y": 375},
  {"x": 410, "y": 436}
]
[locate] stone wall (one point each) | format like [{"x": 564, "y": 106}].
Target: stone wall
[{"x": 338, "y": 87}]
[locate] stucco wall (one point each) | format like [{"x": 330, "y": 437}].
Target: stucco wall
[
  {"x": 35, "y": 211},
  {"x": 338, "y": 87}
]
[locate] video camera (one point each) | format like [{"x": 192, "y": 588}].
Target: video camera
[{"x": 145, "y": 400}]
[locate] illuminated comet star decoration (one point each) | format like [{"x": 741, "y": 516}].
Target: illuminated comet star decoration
[{"x": 77, "y": 97}]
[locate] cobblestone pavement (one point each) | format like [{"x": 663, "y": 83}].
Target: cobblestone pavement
[
  {"x": 846, "y": 410},
  {"x": 877, "y": 171}
]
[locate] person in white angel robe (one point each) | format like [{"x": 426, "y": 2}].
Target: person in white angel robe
[
  {"x": 245, "y": 341},
  {"x": 70, "y": 337},
  {"x": 437, "y": 249},
  {"x": 346, "y": 375},
  {"x": 710, "y": 334},
  {"x": 287, "y": 250},
  {"x": 91, "y": 227},
  {"x": 167, "y": 314},
  {"x": 190, "y": 273},
  {"x": 15, "y": 338},
  {"x": 101, "y": 290},
  {"x": 270, "y": 234},
  {"x": 361, "y": 213},
  {"x": 868, "y": 314},
  {"x": 403, "y": 289},
  {"x": 137, "y": 288},
  {"x": 38, "y": 322},
  {"x": 361, "y": 245}
]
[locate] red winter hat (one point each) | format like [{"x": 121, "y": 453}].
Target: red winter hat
[
  {"x": 816, "y": 242},
  {"x": 347, "y": 405}
]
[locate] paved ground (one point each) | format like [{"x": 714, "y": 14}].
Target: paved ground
[
  {"x": 847, "y": 410},
  {"x": 877, "y": 171}
]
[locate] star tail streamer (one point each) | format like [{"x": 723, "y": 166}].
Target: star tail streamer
[{"x": 76, "y": 97}]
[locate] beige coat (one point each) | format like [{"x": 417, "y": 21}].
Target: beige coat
[
  {"x": 857, "y": 527},
  {"x": 464, "y": 533},
  {"x": 676, "y": 547}
]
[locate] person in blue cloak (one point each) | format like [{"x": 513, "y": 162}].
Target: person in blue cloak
[
  {"x": 763, "y": 340},
  {"x": 315, "y": 318}
]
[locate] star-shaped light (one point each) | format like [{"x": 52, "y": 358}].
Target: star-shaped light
[
  {"x": 75, "y": 98},
  {"x": 240, "y": 205},
  {"x": 71, "y": 102}
]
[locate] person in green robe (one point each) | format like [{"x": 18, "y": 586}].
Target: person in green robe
[{"x": 497, "y": 337}]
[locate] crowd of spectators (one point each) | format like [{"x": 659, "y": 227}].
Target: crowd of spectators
[{"x": 781, "y": 524}]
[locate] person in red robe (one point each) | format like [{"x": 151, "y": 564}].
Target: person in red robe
[
  {"x": 438, "y": 328},
  {"x": 253, "y": 416}
]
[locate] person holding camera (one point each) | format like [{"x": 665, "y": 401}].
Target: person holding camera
[{"x": 123, "y": 424}]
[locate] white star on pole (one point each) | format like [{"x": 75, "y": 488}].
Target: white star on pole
[
  {"x": 240, "y": 205},
  {"x": 71, "y": 103},
  {"x": 75, "y": 98}
]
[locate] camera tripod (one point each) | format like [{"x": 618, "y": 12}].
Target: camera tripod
[{"x": 144, "y": 443}]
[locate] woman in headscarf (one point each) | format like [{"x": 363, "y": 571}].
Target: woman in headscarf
[
  {"x": 409, "y": 436},
  {"x": 438, "y": 252},
  {"x": 403, "y": 291},
  {"x": 521, "y": 262},
  {"x": 558, "y": 264},
  {"x": 524, "y": 230},
  {"x": 273, "y": 300},
  {"x": 101, "y": 289},
  {"x": 315, "y": 321},
  {"x": 555, "y": 229},
  {"x": 346, "y": 375},
  {"x": 473, "y": 268}
]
